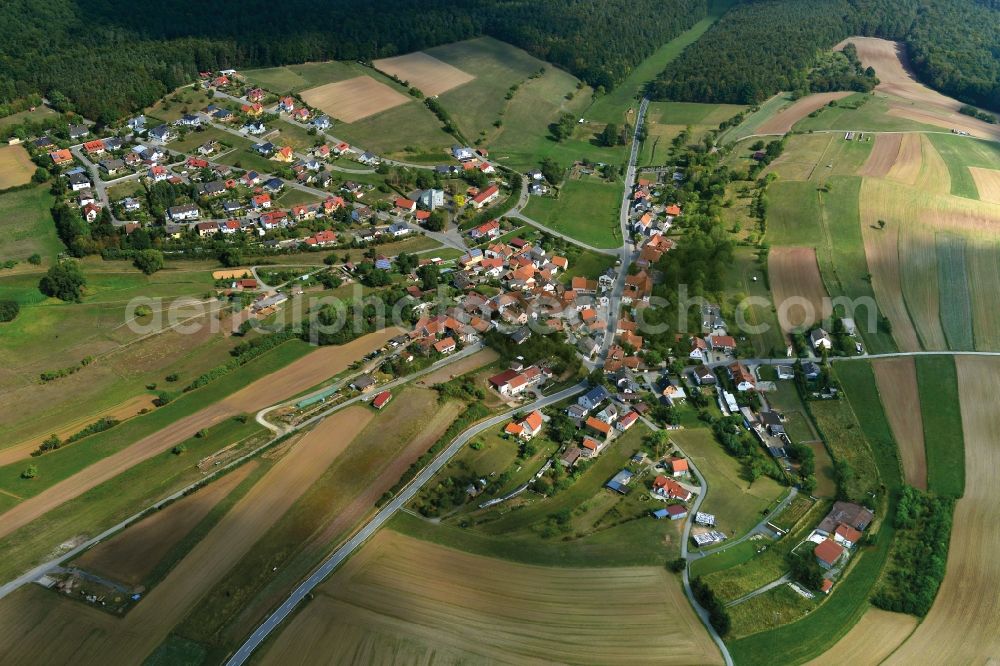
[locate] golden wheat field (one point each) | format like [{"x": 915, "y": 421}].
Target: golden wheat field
[
  {"x": 961, "y": 627},
  {"x": 353, "y": 99},
  {"x": 424, "y": 72},
  {"x": 402, "y": 600},
  {"x": 870, "y": 641}
]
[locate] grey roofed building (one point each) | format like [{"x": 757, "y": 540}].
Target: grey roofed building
[
  {"x": 231, "y": 207},
  {"x": 619, "y": 482},
  {"x": 78, "y": 131},
  {"x": 855, "y": 515},
  {"x": 211, "y": 189},
  {"x": 520, "y": 335},
  {"x": 363, "y": 382}
]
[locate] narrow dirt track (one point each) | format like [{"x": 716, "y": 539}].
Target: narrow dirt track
[{"x": 294, "y": 378}]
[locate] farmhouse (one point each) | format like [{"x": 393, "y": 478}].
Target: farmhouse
[
  {"x": 528, "y": 427},
  {"x": 61, "y": 157},
  {"x": 847, "y": 513},
  {"x": 828, "y": 553},
  {"x": 381, "y": 400},
  {"x": 486, "y": 197},
  {"x": 820, "y": 340},
  {"x": 742, "y": 378},
  {"x": 664, "y": 486},
  {"x": 363, "y": 383}
]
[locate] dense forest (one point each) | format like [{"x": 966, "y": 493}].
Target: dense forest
[
  {"x": 763, "y": 46},
  {"x": 106, "y": 58}
]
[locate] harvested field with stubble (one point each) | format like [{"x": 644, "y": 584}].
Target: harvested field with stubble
[
  {"x": 353, "y": 99},
  {"x": 882, "y": 254},
  {"x": 405, "y": 600},
  {"x": 295, "y": 378},
  {"x": 906, "y": 167},
  {"x": 897, "y": 386},
  {"x": 883, "y": 155},
  {"x": 16, "y": 167},
  {"x": 132, "y": 638},
  {"x": 131, "y": 555},
  {"x": 871, "y": 640},
  {"x": 799, "y": 294},
  {"x": 961, "y": 627},
  {"x": 908, "y": 97},
  {"x": 424, "y": 72},
  {"x": 782, "y": 122},
  {"x": 987, "y": 183}
]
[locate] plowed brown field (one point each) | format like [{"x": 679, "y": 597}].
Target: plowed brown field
[
  {"x": 131, "y": 555},
  {"x": 424, "y": 72},
  {"x": 915, "y": 100}
]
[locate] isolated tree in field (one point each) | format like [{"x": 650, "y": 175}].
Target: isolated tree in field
[
  {"x": 148, "y": 261},
  {"x": 35, "y": 259},
  {"x": 881, "y": 224},
  {"x": 29, "y": 472},
  {"x": 64, "y": 281}
]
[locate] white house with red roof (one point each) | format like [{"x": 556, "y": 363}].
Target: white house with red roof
[{"x": 486, "y": 197}]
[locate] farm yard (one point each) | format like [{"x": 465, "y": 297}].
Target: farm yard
[
  {"x": 423, "y": 72},
  {"x": 441, "y": 591},
  {"x": 353, "y": 99},
  {"x": 16, "y": 167},
  {"x": 737, "y": 503}
]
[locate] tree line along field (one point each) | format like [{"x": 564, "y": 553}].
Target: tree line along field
[{"x": 402, "y": 597}]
